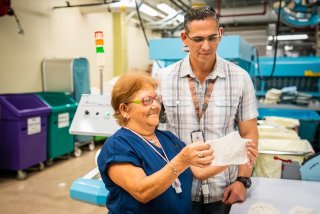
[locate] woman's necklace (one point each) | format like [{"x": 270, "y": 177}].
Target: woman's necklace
[{"x": 151, "y": 139}]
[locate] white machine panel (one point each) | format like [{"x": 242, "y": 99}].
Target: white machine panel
[{"x": 94, "y": 116}]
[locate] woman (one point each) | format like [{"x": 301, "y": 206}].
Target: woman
[{"x": 147, "y": 170}]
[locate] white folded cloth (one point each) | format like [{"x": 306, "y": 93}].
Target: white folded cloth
[
  {"x": 302, "y": 210},
  {"x": 263, "y": 208},
  {"x": 229, "y": 150}
]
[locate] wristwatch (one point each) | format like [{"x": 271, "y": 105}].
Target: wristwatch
[{"x": 246, "y": 181}]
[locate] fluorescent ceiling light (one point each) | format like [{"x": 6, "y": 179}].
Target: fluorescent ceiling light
[
  {"x": 123, "y": 3},
  {"x": 269, "y": 47},
  {"x": 180, "y": 18},
  {"x": 166, "y": 9},
  {"x": 149, "y": 10},
  {"x": 288, "y": 47},
  {"x": 290, "y": 37}
]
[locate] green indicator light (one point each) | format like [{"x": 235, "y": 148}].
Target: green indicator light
[{"x": 99, "y": 50}]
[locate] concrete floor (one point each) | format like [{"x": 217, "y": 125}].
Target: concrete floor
[{"x": 47, "y": 191}]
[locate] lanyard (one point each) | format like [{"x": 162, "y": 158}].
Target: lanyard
[{"x": 206, "y": 98}]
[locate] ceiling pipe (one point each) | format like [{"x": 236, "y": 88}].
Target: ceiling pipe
[
  {"x": 85, "y": 5},
  {"x": 268, "y": 17},
  {"x": 178, "y": 27},
  {"x": 165, "y": 20},
  {"x": 183, "y": 4},
  {"x": 106, "y": 8},
  {"x": 177, "y": 5},
  {"x": 264, "y": 11}
]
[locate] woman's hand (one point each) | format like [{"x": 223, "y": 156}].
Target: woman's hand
[
  {"x": 253, "y": 153},
  {"x": 197, "y": 154}
]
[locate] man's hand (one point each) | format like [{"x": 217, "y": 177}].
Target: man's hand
[{"x": 233, "y": 193}]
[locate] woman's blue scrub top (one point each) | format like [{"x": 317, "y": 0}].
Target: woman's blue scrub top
[{"x": 126, "y": 147}]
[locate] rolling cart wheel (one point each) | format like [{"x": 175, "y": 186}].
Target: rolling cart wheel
[
  {"x": 91, "y": 146},
  {"x": 49, "y": 162},
  {"x": 77, "y": 152},
  {"x": 41, "y": 166},
  {"x": 21, "y": 175}
]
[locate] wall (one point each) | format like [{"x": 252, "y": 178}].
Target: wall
[
  {"x": 62, "y": 33},
  {"x": 137, "y": 50},
  {"x": 21, "y": 55},
  {"x": 72, "y": 34}
]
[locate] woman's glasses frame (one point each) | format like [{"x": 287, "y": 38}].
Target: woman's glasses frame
[{"x": 147, "y": 100}]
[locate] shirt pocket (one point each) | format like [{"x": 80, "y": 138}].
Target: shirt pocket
[
  {"x": 224, "y": 101},
  {"x": 174, "y": 106},
  {"x": 225, "y": 108}
]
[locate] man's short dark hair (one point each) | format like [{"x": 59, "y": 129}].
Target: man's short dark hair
[{"x": 199, "y": 13}]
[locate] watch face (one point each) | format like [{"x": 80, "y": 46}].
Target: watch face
[{"x": 248, "y": 182}]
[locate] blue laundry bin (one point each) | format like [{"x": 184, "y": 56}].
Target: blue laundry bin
[{"x": 309, "y": 120}]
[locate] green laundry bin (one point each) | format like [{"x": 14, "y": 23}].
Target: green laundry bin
[{"x": 63, "y": 108}]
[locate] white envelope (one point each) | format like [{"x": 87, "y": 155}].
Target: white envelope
[{"x": 229, "y": 150}]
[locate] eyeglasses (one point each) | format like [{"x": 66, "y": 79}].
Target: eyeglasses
[
  {"x": 200, "y": 40},
  {"x": 148, "y": 100}
]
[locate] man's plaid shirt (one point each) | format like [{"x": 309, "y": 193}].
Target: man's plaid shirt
[{"x": 233, "y": 98}]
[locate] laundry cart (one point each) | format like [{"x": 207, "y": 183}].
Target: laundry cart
[
  {"x": 70, "y": 76},
  {"x": 281, "y": 158},
  {"x": 23, "y": 132},
  {"x": 309, "y": 120},
  {"x": 63, "y": 107},
  {"x": 80, "y": 68}
]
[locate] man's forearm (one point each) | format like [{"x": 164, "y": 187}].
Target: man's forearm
[
  {"x": 245, "y": 170},
  {"x": 248, "y": 130}
]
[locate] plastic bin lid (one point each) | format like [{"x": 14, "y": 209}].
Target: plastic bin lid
[
  {"x": 58, "y": 101},
  {"x": 310, "y": 115},
  {"x": 21, "y": 105}
]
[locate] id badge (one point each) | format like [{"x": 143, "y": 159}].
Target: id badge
[
  {"x": 197, "y": 136},
  {"x": 177, "y": 186}
]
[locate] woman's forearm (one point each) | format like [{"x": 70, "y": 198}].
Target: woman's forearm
[
  {"x": 159, "y": 182},
  {"x": 142, "y": 187}
]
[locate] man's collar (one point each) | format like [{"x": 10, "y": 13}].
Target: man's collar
[
  {"x": 218, "y": 69},
  {"x": 185, "y": 67}
]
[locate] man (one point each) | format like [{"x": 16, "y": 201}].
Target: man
[{"x": 206, "y": 96}]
